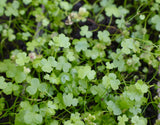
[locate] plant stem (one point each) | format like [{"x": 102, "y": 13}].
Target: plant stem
[
  {"x": 158, "y": 91},
  {"x": 39, "y": 24}
]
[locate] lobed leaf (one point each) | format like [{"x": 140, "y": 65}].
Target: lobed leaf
[
  {"x": 61, "y": 41},
  {"x": 111, "y": 81}
]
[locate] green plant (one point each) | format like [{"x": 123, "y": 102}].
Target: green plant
[{"x": 97, "y": 78}]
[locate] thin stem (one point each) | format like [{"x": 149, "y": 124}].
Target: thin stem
[
  {"x": 1, "y": 47},
  {"x": 76, "y": 2},
  {"x": 39, "y": 24},
  {"x": 86, "y": 1},
  {"x": 125, "y": 2},
  {"x": 107, "y": 26},
  {"x": 99, "y": 13},
  {"x": 158, "y": 91}
]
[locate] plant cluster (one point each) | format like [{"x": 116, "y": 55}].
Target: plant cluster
[{"x": 78, "y": 62}]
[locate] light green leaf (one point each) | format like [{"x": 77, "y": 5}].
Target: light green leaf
[
  {"x": 11, "y": 71},
  {"x": 68, "y": 122},
  {"x": 112, "y": 10},
  {"x": 111, "y": 81},
  {"x": 133, "y": 93},
  {"x": 52, "y": 78},
  {"x": 110, "y": 65},
  {"x": 122, "y": 119},
  {"x": 46, "y": 66},
  {"x": 83, "y": 11},
  {"x": 133, "y": 63},
  {"x": 69, "y": 100},
  {"x": 3, "y": 3},
  {"x": 83, "y": 84},
  {"x": 32, "y": 118},
  {"x": 63, "y": 64},
  {"x": 43, "y": 87},
  {"x": 25, "y": 35},
  {"x": 156, "y": 21},
  {"x": 158, "y": 1},
  {"x": 104, "y": 37},
  {"x": 26, "y": 2},
  {"x": 70, "y": 56},
  {"x": 52, "y": 61},
  {"x": 9, "y": 33},
  {"x": 15, "y": 4},
  {"x": 1, "y": 14},
  {"x": 105, "y": 3},
  {"x": 15, "y": 87},
  {"x": 81, "y": 45},
  {"x": 20, "y": 76},
  {"x": 98, "y": 90},
  {"x": 59, "y": 101},
  {"x": 3, "y": 66},
  {"x": 25, "y": 105},
  {"x": 94, "y": 53},
  {"x": 141, "y": 86},
  {"x": 84, "y": 71},
  {"x": 37, "y": 118},
  {"x": 28, "y": 117},
  {"x": 15, "y": 72},
  {"x": 121, "y": 23},
  {"x": 65, "y": 77},
  {"x": 12, "y": 9},
  {"x": 8, "y": 89},
  {"x": 35, "y": 82},
  {"x": 130, "y": 44},
  {"x": 45, "y": 22},
  {"x": 52, "y": 105},
  {"x": 34, "y": 85},
  {"x": 54, "y": 122},
  {"x": 123, "y": 11},
  {"x": 139, "y": 120},
  {"x": 75, "y": 117},
  {"x": 91, "y": 74},
  {"x": 84, "y": 31},
  {"x": 65, "y": 5},
  {"x": 3, "y": 84},
  {"x": 135, "y": 110},
  {"x": 31, "y": 90},
  {"x": 120, "y": 63},
  {"x": 113, "y": 107},
  {"x": 62, "y": 41},
  {"x": 66, "y": 67},
  {"x": 142, "y": 17},
  {"x": 22, "y": 58}
]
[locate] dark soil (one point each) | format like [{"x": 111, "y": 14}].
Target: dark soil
[
  {"x": 151, "y": 111},
  {"x": 10, "y": 106}
]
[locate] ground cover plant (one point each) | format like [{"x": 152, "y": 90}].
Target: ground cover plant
[{"x": 79, "y": 62}]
